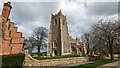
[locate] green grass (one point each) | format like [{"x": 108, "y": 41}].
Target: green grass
[
  {"x": 56, "y": 57},
  {"x": 12, "y": 60},
  {"x": 94, "y": 64}
]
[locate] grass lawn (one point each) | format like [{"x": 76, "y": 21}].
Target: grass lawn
[
  {"x": 56, "y": 57},
  {"x": 94, "y": 64},
  {"x": 12, "y": 60}
]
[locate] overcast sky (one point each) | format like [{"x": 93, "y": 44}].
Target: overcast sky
[{"x": 80, "y": 15}]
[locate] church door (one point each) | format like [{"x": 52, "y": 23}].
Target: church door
[{"x": 55, "y": 52}]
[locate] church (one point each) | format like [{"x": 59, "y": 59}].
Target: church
[{"x": 59, "y": 41}]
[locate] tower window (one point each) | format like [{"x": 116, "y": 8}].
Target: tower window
[
  {"x": 63, "y": 22},
  {"x": 55, "y": 21}
]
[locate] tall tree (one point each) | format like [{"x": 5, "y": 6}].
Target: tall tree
[
  {"x": 40, "y": 34},
  {"x": 106, "y": 34}
]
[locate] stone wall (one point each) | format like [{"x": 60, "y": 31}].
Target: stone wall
[{"x": 29, "y": 61}]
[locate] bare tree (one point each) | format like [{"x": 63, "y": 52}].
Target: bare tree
[
  {"x": 106, "y": 34},
  {"x": 40, "y": 35},
  {"x": 29, "y": 44}
]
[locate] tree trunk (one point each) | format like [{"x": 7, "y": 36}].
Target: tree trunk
[
  {"x": 88, "y": 49},
  {"x": 111, "y": 53},
  {"x": 38, "y": 50},
  {"x": 111, "y": 49}
]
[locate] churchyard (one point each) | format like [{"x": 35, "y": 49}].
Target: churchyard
[{"x": 56, "y": 48}]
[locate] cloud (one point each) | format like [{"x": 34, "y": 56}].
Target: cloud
[
  {"x": 29, "y": 15},
  {"x": 102, "y": 8},
  {"x": 30, "y": 11}
]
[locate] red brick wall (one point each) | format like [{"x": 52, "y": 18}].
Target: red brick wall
[{"x": 12, "y": 41}]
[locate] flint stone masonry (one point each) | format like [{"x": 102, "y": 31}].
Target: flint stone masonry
[
  {"x": 29, "y": 61},
  {"x": 12, "y": 41}
]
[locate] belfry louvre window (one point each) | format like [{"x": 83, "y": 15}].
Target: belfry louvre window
[{"x": 55, "y": 21}]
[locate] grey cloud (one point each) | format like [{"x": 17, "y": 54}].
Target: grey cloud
[
  {"x": 33, "y": 14},
  {"x": 30, "y": 15},
  {"x": 102, "y": 8},
  {"x": 31, "y": 11},
  {"x": 94, "y": 11}
]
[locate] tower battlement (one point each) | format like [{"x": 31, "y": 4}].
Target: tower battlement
[{"x": 58, "y": 14}]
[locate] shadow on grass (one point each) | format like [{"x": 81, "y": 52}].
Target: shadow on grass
[{"x": 94, "y": 64}]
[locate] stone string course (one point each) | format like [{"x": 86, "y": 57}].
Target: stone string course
[{"x": 29, "y": 61}]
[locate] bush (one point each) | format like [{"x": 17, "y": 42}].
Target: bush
[
  {"x": 93, "y": 58},
  {"x": 13, "y": 60}
]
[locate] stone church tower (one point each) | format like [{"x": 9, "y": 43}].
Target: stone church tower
[{"x": 58, "y": 35}]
